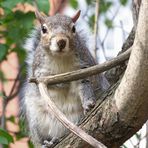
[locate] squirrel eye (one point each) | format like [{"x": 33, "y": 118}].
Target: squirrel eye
[
  {"x": 44, "y": 29},
  {"x": 73, "y": 29}
]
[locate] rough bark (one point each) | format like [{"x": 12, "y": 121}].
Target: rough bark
[
  {"x": 133, "y": 90},
  {"x": 124, "y": 111}
]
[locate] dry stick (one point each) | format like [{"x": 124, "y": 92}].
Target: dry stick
[
  {"x": 83, "y": 73},
  {"x": 62, "y": 118},
  {"x": 14, "y": 84},
  {"x": 106, "y": 34},
  {"x": 96, "y": 28}
]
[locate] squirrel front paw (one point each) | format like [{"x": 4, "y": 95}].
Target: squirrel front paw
[
  {"x": 50, "y": 143},
  {"x": 88, "y": 105}
]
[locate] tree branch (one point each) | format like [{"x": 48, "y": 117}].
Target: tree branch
[
  {"x": 114, "y": 74},
  {"x": 96, "y": 28},
  {"x": 62, "y": 118},
  {"x": 133, "y": 90},
  {"x": 83, "y": 73}
]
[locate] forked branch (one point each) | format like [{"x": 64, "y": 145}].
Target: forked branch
[{"x": 62, "y": 118}]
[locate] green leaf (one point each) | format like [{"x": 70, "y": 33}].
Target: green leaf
[
  {"x": 2, "y": 76},
  {"x": 105, "y": 5},
  {"x": 11, "y": 119},
  {"x": 91, "y": 21},
  {"x": 20, "y": 135},
  {"x": 43, "y": 5},
  {"x": 21, "y": 53},
  {"x": 3, "y": 52},
  {"x": 30, "y": 144},
  {"x": 10, "y": 4},
  {"x": 3, "y": 140},
  {"x": 74, "y": 3},
  {"x": 25, "y": 20},
  {"x": 18, "y": 28},
  {"x": 123, "y": 2},
  {"x": 108, "y": 23},
  {"x": 89, "y": 2},
  {"x": 6, "y": 135},
  {"x": 9, "y": 17},
  {"x": 23, "y": 132},
  {"x": 2, "y": 95}
]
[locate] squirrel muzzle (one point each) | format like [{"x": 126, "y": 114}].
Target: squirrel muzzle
[{"x": 59, "y": 43}]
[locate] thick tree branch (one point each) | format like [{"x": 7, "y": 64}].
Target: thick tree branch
[
  {"x": 131, "y": 96},
  {"x": 83, "y": 73}
]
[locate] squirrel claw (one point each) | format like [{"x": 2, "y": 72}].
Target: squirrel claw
[
  {"x": 50, "y": 144},
  {"x": 88, "y": 105}
]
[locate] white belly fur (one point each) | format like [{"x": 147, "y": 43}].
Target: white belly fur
[{"x": 68, "y": 102}]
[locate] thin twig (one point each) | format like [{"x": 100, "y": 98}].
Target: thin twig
[
  {"x": 14, "y": 84},
  {"x": 35, "y": 4},
  {"x": 123, "y": 32},
  {"x": 83, "y": 73},
  {"x": 62, "y": 118},
  {"x": 114, "y": 16},
  {"x": 106, "y": 34},
  {"x": 96, "y": 28},
  {"x": 12, "y": 94},
  {"x": 3, "y": 119}
]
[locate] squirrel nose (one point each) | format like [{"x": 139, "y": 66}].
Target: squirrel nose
[{"x": 61, "y": 43}]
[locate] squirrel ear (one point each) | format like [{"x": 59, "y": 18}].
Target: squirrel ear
[
  {"x": 76, "y": 16},
  {"x": 40, "y": 17}
]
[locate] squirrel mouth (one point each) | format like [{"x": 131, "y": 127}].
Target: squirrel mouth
[
  {"x": 59, "y": 44},
  {"x": 61, "y": 53}
]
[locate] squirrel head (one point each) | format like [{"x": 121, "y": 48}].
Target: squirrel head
[{"x": 58, "y": 32}]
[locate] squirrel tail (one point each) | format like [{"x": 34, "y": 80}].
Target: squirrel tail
[{"x": 30, "y": 46}]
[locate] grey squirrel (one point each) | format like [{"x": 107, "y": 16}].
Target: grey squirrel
[{"x": 57, "y": 47}]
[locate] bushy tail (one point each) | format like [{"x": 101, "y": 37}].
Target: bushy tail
[{"x": 30, "y": 45}]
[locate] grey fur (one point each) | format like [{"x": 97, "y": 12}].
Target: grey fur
[{"x": 74, "y": 98}]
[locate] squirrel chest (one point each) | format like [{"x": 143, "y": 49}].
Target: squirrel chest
[{"x": 64, "y": 95}]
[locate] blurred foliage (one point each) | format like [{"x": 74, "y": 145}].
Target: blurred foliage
[
  {"x": 123, "y": 2},
  {"x": 5, "y": 137},
  {"x": 108, "y": 23},
  {"x": 104, "y": 9},
  {"x": 74, "y": 3},
  {"x": 14, "y": 27}
]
